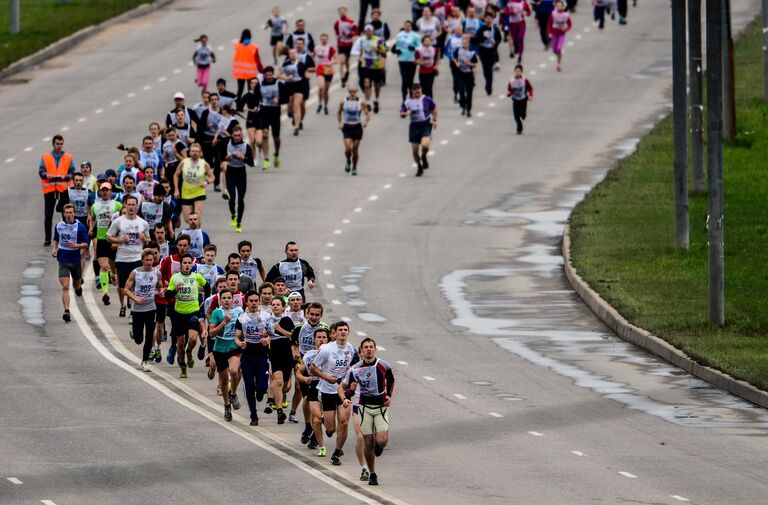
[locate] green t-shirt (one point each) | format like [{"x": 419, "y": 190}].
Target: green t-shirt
[
  {"x": 187, "y": 289},
  {"x": 102, "y": 212},
  {"x": 225, "y": 340}
]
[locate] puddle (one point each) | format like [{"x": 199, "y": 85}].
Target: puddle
[
  {"x": 33, "y": 272},
  {"x": 32, "y": 309}
]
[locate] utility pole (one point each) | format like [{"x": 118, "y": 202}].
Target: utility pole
[
  {"x": 765, "y": 50},
  {"x": 729, "y": 100},
  {"x": 14, "y": 17},
  {"x": 680, "y": 119},
  {"x": 716, "y": 258},
  {"x": 695, "y": 94}
]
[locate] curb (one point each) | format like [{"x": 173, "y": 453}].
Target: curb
[
  {"x": 70, "y": 41},
  {"x": 651, "y": 343}
]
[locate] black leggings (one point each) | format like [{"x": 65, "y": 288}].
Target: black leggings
[
  {"x": 143, "y": 326},
  {"x": 543, "y": 19},
  {"x": 487, "y": 60},
  {"x": 426, "y": 81},
  {"x": 519, "y": 109},
  {"x": 622, "y": 6},
  {"x": 407, "y": 74},
  {"x": 237, "y": 182},
  {"x": 211, "y": 155},
  {"x": 467, "y": 80},
  {"x": 241, "y": 86}
]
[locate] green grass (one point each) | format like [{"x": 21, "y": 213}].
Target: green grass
[
  {"x": 46, "y": 21},
  {"x": 623, "y": 239}
]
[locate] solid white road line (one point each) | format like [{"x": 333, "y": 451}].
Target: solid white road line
[
  {"x": 14, "y": 480},
  {"x": 628, "y": 475}
]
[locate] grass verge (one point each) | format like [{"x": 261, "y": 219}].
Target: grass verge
[
  {"x": 623, "y": 239},
  {"x": 46, "y": 21}
]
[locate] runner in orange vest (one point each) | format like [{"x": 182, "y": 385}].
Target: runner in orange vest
[
  {"x": 56, "y": 170},
  {"x": 246, "y": 62}
]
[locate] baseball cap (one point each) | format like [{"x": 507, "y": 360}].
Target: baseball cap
[
  {"x": 368, "y": 28},
  {"x": 295, "y": 294},
  {"x": 178, "y": 94},
  {"x": 85, "y": 162},
  {"x": 102, "y": 177},
  {"x": 105, "y": 185}
]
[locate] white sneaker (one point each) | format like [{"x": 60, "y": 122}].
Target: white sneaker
[{"x": 144, "y": 367}]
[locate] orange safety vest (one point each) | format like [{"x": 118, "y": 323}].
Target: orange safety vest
[
  {"x": 244, "y": 61},
  {"x": 52, "y": 169}
]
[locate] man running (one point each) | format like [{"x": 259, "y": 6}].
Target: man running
[
  {"x": 293, "y": 269},
  {"x": 302, "y": 341},
  {"x": 351, "y": 124},
  {"x": 130, "y": 233},
  {"x": 281, "y": 358},
  {"x": 521, "y": 91},
  {"x": 272, "y": 94},
  {"x": 198, "y": 237},
  {"x": 55, "y": 171},
  {"x": 308, "y": 383},
  {"x": 371, "y": 51},
  {"x": 227, "y": 350},
  {"x": 465, "y": 60},
  {"x": 70, "y": 240},
  {"x": 252, "y": 267},
  {"x": 239, "y": 155},
  {"x": 102, "y": 211},
  {"x": 254, "y": 362},
  {"x": 346, "y": 30},
  {"x": 423, "y": 113},
  {"x": 278, "y": 26},
  {"x": 487, "y": 39},
  {"x": 168, "y": 267},
  {"x": 377, "y": 383},
  {"x": 142, "y": 285}
]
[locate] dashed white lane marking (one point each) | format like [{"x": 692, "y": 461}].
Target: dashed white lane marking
[
  {"x": 27, "y": 149},
  {"x": 326, "y": 258},
  {"x": 381, "y": 348},
  {"x": 65, "y": 128},
  {"x": 81, "y": 120},
  {"x": 532, "y": 72},
  {"x": 336, "y": 302},
  {"x": 401, "y": 174},
  {"x": 327, "y": 272},
  {"x": 10, "y": 160},
  {"x": 628, "y": 475},
  {"x": 494, "y": 414},
  {"x": 330, "y": 286},
  {"x": 190, "y": 64},
  {"x": 361, "y": 334},
  {"x": 345, "y": 221},
  {"x": 299, "y": 8},
  {"x": 46, "y": 139},
  {"x": 161, "y": 79},
  {"x": 346, "y": 319},
  {"x": 535, "y": 434},
  {"x": 387, "y": 186},
  {"x": 98, "y": 111},
  {"x": 586, "y": 30},
  {"x": 220, "y": 48},
  {"x": 469, "y": 122},
  {"x": 456, "y": 132},
  {"x": 358, "y": 209},
  {"x": 551, "y": 58},
  {"x": 542, "y": 65},
  {"x": 47, "y": 502},
  {"x": 329, "y": 244},
  {"x": 310, "y": 2},
  {"x": 337, "y": 231},
  {"x": 577, "y": 453},
  {"x": 480, "y": 114},
  {"x": 176, "y": 70},
  {"x": 579, "y": 36},
  {"x": 501, "y": 97},
  {"x": 14, "y": 480},
  {"x": 444, "y": 142},
  {"x": 460, "y": 397},
  {"x": 678, "y": 497},
  {"x": 289, "y": 15},
  {"x": 116, "y": 102},
  {"x": 569, "y": 43},
  {"x": 428, "y": 378},
  {"x": 401, "y": 362},
  {"x": 372, "y": 198},
  {"x": 491, "y": 104},
  {"x": 234, "y": 41},
  {"x": 430, "y": 153}
]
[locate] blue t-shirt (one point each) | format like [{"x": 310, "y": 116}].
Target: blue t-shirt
[
  {"x": 406, "y": 44},
  {"x": 225, "y": 340},
  {"x": 75, "y": 232}
]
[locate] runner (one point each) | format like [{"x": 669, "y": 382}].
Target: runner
[
  {"x": 309, "y": 68},
  {"x": 351, "y": 124},
  {"x": 423, "y": 113},
  {"x": 300, "y": 33},
  {"x": 598, "y": 12},
  {"x": 206, "y": 131},
  {"x": 163, "y": 246},
  {"x": 515, "y": 12},
  {"x": 238, "y": 155},
  {"x": 377, "y": 383},
  {"x": 250, "y": 102},
  {"x": 129, "y": 189},
  {"x": 293, "y": 73},
  {"x": 371, "y": 51},
  {"x": 157, "y": 212},
  {"x": 293, "y": 270},
  {"x": 202, "y": 58},
  {"x": 405, "y": 47},
  {"x": 486, "y": 40},
  {"x": 196, "y": 174},
  {"x": 294, "y": 311},
  {"x": 227, "y": 125},
  {"x": 80, "y": 198},
  {"x": 331, "y": 364},
  {"x": 100, "y": 220},
  {"x": 203, "y": 104},
  {"x": 130, "y": 233},
  {"x": 168, "y": 267},
  {"x": 308, "y": 383},
  {"x": 55, "y": 171},
  {"x": 427, "y": 59},
  {"x": 452, "y": 46},
  {"x": 278, "y": 27},
  {"x": 227, "y": 350},
  {"x": 149, "y": 156},
  {"x": 89, "y": 180},
  {"x": 346, "y": 30},
  {"x": 174, "y": 149},
  {"x": 233, "y": 264},
  {"x": 211, "y": 271},
  {"x": 559, "y": 24},
  {"x": 520, "y": 91},
  {"x": 147, "y": 185},
  {"x": 142, "y": 285},
  {"x": 254, "y": 361},
  {"x": 251, "y": 267},
  {"x": 198, "y": 237},
  {"x": 380, "y": 28},
  {"x": 232, "y": 280},
  {"x": 184, "y": 286},
  {"x": 70, "y": 240},
  {"x": 543, "y": 9},
  {"x": 428, "y": 25},
  {"x": 465, "y": 60},
  {"x": 272, "y": 96},
  {"x": 281, "y": 355},
  {"x": 471, "y": 23},
  {"x": 302, "y": 341},
  {"x": 325, "y": 59},
  {"x": 280, "y": 289}
]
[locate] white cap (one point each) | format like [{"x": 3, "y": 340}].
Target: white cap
[
  {"x": 295, "y": 294},
  {"x": 178, "y": 94}
]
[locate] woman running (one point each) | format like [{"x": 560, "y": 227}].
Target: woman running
[
  {"x": 251, "y": 104},
  {"x": 559, "y": 24},
  {"x": 515, "y": 12},
  {"x": 278, "y": 27},
  {"x": 351, "y": 124},
  {"x": 202, "y": 58},
  {"x": 325, "y": 59},
  {"x": 427, "y": 58}
]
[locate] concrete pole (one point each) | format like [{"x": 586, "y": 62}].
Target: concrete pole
[
  {"x": 14, "y": 17},
  {"x": 680, "y": 119},
  {"x": 716, "y": 257},
  {"x": 695, "y": 94}
]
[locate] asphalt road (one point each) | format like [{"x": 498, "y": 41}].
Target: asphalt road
[{"x": 509, "y": 390}]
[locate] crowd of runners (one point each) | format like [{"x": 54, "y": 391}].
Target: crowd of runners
[{"x": 141, "y": 224}]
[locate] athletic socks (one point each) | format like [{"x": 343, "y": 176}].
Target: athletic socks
[{"x": 104, "y": 279}]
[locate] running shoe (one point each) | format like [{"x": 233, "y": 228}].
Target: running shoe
[
  {"x": 98, "y": 283},
  {"x": 47, "y": 243},
  {"x": 144, "y": 367},
  {"x": 281, "y": 416},
  {"x": 419, "y": 171},
  {"x": 238, "y": 229},
  {"x": 335, "y": 459},
  {"x": 200, "y": 352},
  {"x": 130, "y": 318},
  {"x": 321, "y": 452},
  {"x": 79, "y": 292},
  {"x": 285, "y": 404},
  {"x": 312, "y": 445},
  {"x": 293, "y": 419},
  {"x": 377, "y": 449},
  {"x": 469, "y": 113},
  {"x": 268, "y": 408},
  {"x": 128, "y": 303},
  {"x": 463, "y": 111},
  {"x": 295, "y": 132},
  {"x": 319, "y": 108},
  {"x": 511, "y": 54},
  {"x": 211, "y": 373},
  {"x": 171, "y": 356},
  {"x": 66, "y": 317},
  {"x": 158, "y": 356},
  {"x": 375, "y": 106},
  {"x": 183, "y": 373},
  {"x": 235, "y": 401},
  {"x": 424, "y": 161},
  {"x": 216, "y": 188},
  {"x": 122, "y": 311},
  {"x": 254, "y": 421},
  {"x": 265, "y": 164},
  {"x": 277, "y": 161},
  {"x": 559, "y": 69},
  {"x": 218, "y": 390},
  {"x": 228, "y": 413},
  {"x": 165, "y": 336},
  {"x": 190, "y": 360},
  {"x": 305, "y": 437},
  {"x": 130, "y": 334},
  {"x": 225, "y": 195},
  {"x": 233, "y": 221},
  {"x": 347, "y": 168},
  {"x": 105, "y": 298},
  {"x": 373, "y": 480},
  {"x": 364, "y": 475},
  {"x": 354, "y": 171},
  {"x": 325, "y": 110}
]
